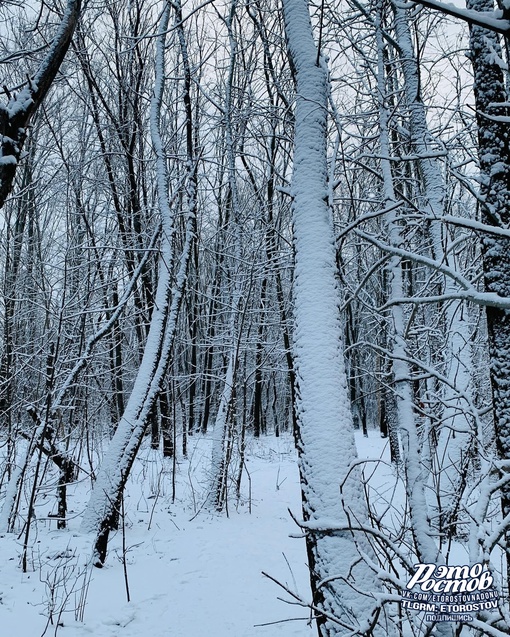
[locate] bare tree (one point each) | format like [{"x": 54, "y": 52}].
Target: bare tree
[
  {"x": 104, "y": 505},
  {"x": 325, "y": 438},
  {"x": 24, "y": 101}
]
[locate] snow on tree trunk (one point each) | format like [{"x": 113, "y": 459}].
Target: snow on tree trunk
[
  {"x": 415, "y": 451},
  {"x": 454, "y": 449},
  {"x": 222, "y": 437},
  {"x": 223, "y": 431},
  {"x": 491, "y": 100},
  {"x": 11, "y": 495},
  {"x": 16, "y": 115},
  {"x": 103, "y": 506},
  {"x": 456, "y": 432},
  {"x": 325, "y": 438}
]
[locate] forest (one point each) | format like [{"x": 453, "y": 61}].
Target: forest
[{"x": 225, "y": 222}]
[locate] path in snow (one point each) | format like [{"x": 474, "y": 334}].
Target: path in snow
[{"x": 188, "y": 577}]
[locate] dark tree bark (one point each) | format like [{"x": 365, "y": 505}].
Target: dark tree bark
[{"x": 491, "y": 98}]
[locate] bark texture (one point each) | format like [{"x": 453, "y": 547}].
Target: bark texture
[
  {"x": 343, "y": 586},
  {"x": 491, "y": 100}
]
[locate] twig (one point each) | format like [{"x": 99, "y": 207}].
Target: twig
[{"x": 124, "y": 549}]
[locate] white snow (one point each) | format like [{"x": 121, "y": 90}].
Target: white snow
[
  {"x": 189, "y": 574},
  {"x": 8, "y": 159}
]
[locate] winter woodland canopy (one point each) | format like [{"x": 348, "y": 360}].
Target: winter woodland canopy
[{"x": 240, "y": 219}]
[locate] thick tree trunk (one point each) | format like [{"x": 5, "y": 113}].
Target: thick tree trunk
[
  {"x": 325, "y": 437},
  {"x": 491, "y": 100}
]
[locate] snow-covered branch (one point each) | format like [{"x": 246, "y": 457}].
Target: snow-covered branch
[
  {"x": 492, "y": 20},
  {"x": 16, "y": 115}
]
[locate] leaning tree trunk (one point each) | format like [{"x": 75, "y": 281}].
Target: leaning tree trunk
[
  {"x": 325, "y": 437},
  {"x": 103, "y": 507},
  {"x": 224, "y": 429},
  {"x": 15, "y": 117},
  {"x": 414, "y": 448}
]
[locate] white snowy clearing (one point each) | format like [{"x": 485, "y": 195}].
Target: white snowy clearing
[{"x": 190, "y": 572}]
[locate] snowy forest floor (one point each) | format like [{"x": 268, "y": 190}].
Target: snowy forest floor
[{"x": 190, "y": 572}]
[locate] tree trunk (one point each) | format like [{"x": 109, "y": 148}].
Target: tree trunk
[
  {"x": 456, "y": 431},
  {"x": 325, "y": 438},
  {"x": 414, "y": 450},
  {"x": 16, "y": 115},
  {"x": 103, "y": 506},
  {"x": 494, "y": 158}
]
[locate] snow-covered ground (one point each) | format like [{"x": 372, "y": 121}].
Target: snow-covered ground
[{"x": 191, "y": 573}]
